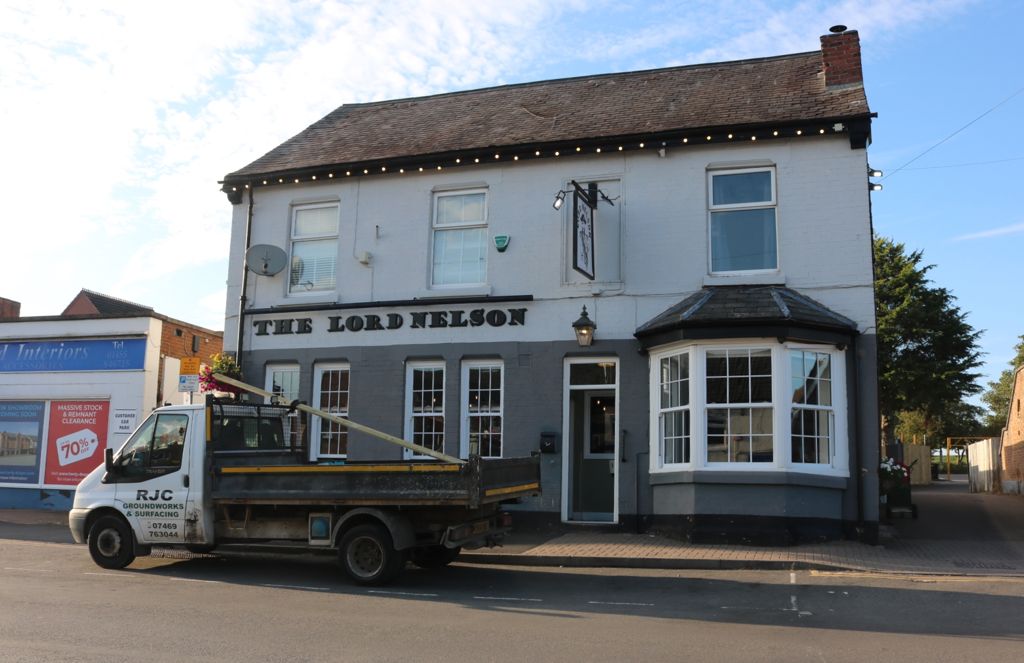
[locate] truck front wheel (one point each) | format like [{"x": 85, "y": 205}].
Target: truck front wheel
[
  {"x": 368, "y": 555},
  {"x": 110, "y": 543}
]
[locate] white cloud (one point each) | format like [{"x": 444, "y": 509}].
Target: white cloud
[{"x": 1013, "y": 229}]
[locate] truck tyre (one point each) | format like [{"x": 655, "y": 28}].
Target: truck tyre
[
  {"x": 368, "y": 555},
  {"x": 434, "y": 557},
  {"x": 111, "y": 543}
]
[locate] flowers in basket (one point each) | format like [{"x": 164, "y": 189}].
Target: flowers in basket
[
  {"x": 223, "y": 364},
  {"x": 893, "y": 471}
]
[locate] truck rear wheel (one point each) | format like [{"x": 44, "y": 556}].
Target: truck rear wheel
[
  {"x": 434, "y": 557},
  {"x": 368, "y": 555},
  {"x": 110, "y": 543}
]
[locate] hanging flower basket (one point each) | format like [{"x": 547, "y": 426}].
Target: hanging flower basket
[{"x": 225, "y": 365}]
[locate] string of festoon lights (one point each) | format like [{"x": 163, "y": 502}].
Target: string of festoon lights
[{"x": 418, "y": 165}]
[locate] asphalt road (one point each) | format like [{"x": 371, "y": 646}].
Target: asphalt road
[{"x": 55, "y": 605}]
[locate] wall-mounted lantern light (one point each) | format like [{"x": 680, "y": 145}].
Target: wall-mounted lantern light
[
  {"x": 584, "y": 328},
  {"x": 559, "y": 199}
]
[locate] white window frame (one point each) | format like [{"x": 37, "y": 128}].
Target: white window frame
[
  {"x": 466, "y": 415},
  {"x": 268, "y": 377},
  {"x": 772, "y": 204},
  {"x": 296, "y": 291},
  {"x": 268, "y": 381},
  {"x": 750, "y": 405},
  {"x": 316, "y": 423},
  {"x": 830, "y": 409},
  {"x": 410, "y": 367},
  {"x": 657, "y": 429},
  {"x": 838, "y": 464},
  {"x": 434, "y": 229}
]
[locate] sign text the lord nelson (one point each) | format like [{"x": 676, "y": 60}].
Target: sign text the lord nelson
[{"x": 479, "y": 317}]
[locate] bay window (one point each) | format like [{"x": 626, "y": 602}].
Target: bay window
[{"x": 753, "y": 406}]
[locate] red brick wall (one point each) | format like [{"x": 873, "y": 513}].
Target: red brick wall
[
  {"x": 1013, "y": 434},
  {"x": 9, "y": 309},
  {"x": 176, "y": 341},
  {"x": 174, "y": 345},
  {"x": 840, "y": 58}
]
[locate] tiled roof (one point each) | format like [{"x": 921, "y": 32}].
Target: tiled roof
[
  {"x": 723, "y": 306},
  {"x": 747, "y": 93},
  {"x": 106, "y": 305}
]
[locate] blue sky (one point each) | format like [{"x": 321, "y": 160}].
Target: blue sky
[{"x": 118, "y": 118}]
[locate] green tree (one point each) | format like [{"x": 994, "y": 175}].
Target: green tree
[
  {"x": 997, "y": 396},
  {"x": 926, "y": 349}
]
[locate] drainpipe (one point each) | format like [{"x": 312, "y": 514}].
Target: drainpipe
[
  {"x": 636, "y": 488},
  {"x": 855, "y": 418},
  {"x": 245, "y": 279}
]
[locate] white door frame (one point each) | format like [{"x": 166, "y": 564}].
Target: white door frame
[{"x": 567, "y": 442}]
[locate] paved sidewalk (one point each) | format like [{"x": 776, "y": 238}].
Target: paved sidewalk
[{"x": 957, "y": 534}]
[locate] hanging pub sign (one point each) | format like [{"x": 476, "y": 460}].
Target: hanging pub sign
[{"x": 583, "y": 204}]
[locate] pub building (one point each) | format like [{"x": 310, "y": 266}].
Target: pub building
[{"x": 659, "y": 281}]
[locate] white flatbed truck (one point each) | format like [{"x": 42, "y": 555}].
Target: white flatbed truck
[{"x": 229, "y": 473}]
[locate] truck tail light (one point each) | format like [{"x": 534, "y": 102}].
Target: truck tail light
[{"x": 505, "y": 519}]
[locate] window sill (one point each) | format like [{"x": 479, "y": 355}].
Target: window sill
[
  {"x": 754, "y": 278},
  {"x": 767, "y": 476},
  {"x": 445, "y": 291}
]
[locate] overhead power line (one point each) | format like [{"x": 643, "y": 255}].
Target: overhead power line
[{"x": 893, "y": 172}]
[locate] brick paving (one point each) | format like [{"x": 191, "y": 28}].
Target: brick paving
[
  {"x": 958, "y": 533},
  {"x": 644, "y": 550}
]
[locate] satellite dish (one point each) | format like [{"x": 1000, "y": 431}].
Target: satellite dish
[{"x": 265, "y": 259}]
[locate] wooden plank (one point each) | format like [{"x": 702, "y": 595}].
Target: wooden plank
[{"x": 347, "y": 423}]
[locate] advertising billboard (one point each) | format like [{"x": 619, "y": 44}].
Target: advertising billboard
[
  {"x": 75, "y": 440},
  {"x": 21, "y": 429}
]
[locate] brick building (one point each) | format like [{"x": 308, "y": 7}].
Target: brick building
[
  {"x": 1012, "y": 450},
  {"x": 76, "y": 383}
]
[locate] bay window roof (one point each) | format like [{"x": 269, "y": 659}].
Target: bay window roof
[{"x": 747, "y": 312}]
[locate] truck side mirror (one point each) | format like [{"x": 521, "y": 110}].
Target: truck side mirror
[{"x": 108, "y": 460}]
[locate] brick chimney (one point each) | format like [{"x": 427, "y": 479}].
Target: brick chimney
[
  {"x": 9, "y": 309},
  {"x": 840, "y": 58}
]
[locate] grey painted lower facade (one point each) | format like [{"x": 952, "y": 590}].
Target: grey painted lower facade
[{"x": 703, "y": 504}]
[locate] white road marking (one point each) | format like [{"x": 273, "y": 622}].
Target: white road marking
[
  {"x": 381, "y": 591},
  {"x": 794, "y": 608},
  {"x": 506, "y": 598},
  {"x": 618, "y": 603},
  {"x": 316, "y": 589},
  {"x": 792, "y": 578}
]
